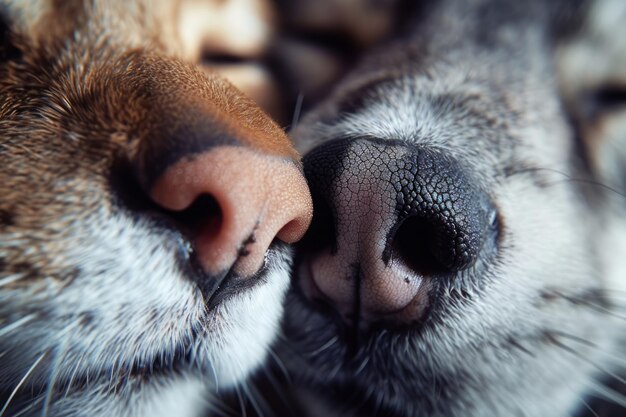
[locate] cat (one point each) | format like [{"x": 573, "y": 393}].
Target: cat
[{"x": 146, "y": 206}]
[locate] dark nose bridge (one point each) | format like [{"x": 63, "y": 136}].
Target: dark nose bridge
[
  {"x": 351, "y": 184},
  {"x": 178, "y": 111},
  {"x": 174, "y": 136},
  {"x": 408, "y": 183}
]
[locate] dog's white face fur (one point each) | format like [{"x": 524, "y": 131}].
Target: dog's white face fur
[
  {"x": 500, "y": 88},
  {"x": 98, "y": 314}
]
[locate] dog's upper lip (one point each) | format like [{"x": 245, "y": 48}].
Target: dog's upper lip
[
  {"x": 352, "y": 315},
  {"x": 316, "y": 299}
]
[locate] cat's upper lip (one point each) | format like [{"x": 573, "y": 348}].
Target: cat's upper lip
[
  {"x": 233, "y": 284},
  {"x": 214, "y": 288}
]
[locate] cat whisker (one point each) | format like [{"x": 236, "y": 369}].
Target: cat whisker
[
  {"x": 604, "y": 392},
  {"x": 280, "y": 364},
  {"x": 210, "y": 360},
  {"x": 597, "y": 307},
  {"x": 581, "y": 398},
  {"x": 607, "y": 292},
  {"x": 216, "y": 407},
  {"x": 588, "y": 407},
  {"x": 324, "y": 347},
  {"x": 569, "y": 178},
  {"x": 590, "y": 182},
  {"x": 362, "y": 366},
  {"x": 333, "y": 373},
  {"x": 53, "y": 377},
  {"x": 73, "y": 375},
  {"x": 611, "y": 310},
  {"x": 256, "y": 400},
  {"x": 297, "y": 110},
  {"x": 32, "y": 405},
  {"x": 242, "y": 403},
  {"x": 609, "y": 355}
]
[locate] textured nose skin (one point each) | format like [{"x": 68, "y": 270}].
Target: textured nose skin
[
  {"x": 390, "y": 217},
  {"x": 259, "y": 198}
]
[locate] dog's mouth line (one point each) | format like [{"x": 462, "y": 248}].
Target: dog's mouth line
[{"x": 350, "y": 341}]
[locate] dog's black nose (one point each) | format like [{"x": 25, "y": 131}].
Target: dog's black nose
[{"x": 388, "y": 219}]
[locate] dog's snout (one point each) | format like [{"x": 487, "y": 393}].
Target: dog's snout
[{"x": 389, "y": 219}]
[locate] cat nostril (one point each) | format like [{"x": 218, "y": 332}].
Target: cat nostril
[
  {"x": 204, "y": 216},
  {"x": 237, "y": 201}
]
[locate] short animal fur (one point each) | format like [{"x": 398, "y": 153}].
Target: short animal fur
[
  {"x": 525, "y": 101},
  {"x": 109, "y": 306}
]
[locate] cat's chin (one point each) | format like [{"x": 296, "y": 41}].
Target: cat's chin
[
  {"x": 144, "y": 349},
  {"x": 212, "y": 349},
  {"x": 183, "y": 395}
]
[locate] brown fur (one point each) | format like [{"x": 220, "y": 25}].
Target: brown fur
[
  {"x": 113, "y": 95},
  {"x": 96, "y": 97}
]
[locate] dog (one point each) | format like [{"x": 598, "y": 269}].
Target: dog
[
  {"x": 146, "y": 206},
  {"x": 465, "y": 255}
]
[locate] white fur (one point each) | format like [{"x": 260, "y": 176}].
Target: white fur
[{"x": 140, "y": 306}]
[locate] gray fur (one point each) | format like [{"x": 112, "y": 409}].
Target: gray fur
[{"x": 530, "y": 334}]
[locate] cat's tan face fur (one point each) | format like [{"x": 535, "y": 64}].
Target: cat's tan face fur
[{"x": 100, "y": 308}]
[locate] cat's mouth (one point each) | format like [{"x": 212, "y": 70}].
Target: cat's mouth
[
  {"x": 216, "y": 289},
  {"x": 182, "y": 233}
]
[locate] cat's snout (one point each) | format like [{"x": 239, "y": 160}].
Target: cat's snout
[
  {"x": 229, "y": 180},
  {"x": 390, "y": 218}
]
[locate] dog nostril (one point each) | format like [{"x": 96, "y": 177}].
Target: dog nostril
[
  {"x": 442, "y": 216},
  {"x": 412, "y": 244}
]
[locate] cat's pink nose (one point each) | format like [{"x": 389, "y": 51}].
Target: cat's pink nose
[
  {"x": 216, "y": 177},
  {"x": 250, "y": 199}
]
